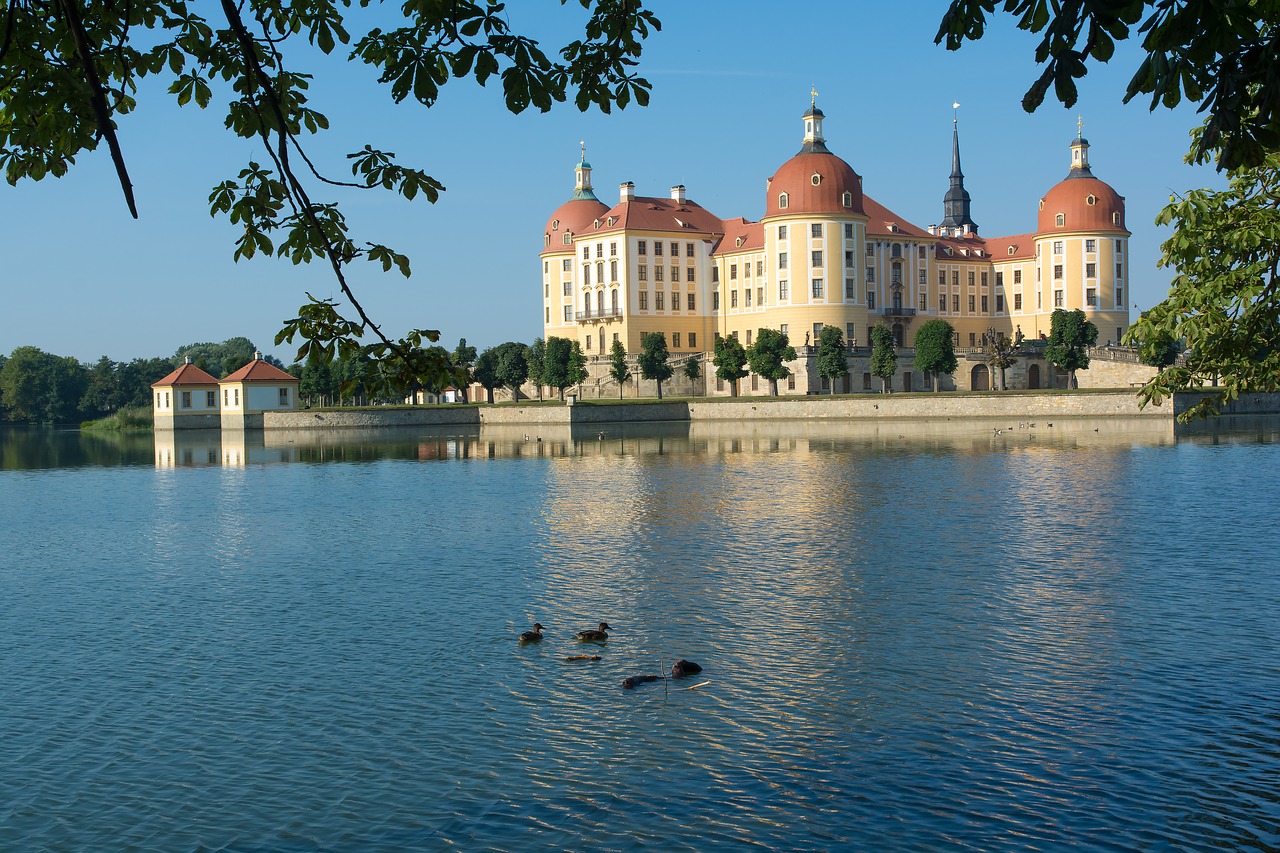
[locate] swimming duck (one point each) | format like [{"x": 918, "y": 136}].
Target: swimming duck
[
  {"x": 594, "y": 636},
  {"x": 534, "y": 636}
]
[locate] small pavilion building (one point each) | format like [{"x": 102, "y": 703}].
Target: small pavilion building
[
  {"x": 186, "y": 399},
  {"x": 253, "y": 389}
]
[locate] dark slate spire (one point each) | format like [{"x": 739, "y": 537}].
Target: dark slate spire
[{"x": 955, "y": 204}]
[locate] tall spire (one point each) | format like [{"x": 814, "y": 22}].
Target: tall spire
[
  {"x": 955, "y": 204},
  {"x": 582, "y": 174}
]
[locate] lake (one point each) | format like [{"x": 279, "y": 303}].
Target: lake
[{"x": 913, "y": 636}]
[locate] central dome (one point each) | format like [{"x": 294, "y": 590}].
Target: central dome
[{"x": 814, "y": 180}]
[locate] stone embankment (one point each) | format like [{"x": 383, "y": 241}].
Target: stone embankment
[{"x": 925, "y": 407}]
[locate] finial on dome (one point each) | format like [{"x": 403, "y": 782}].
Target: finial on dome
[
  {"x": 813, "y": 96},
  {"x": 955, "y": 105},
  {"x": 1079, "y": 127}
]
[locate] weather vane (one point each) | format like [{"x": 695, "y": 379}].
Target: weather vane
[
  {"x": 813, "y": 96},
  {"x": 955, "y": 105},
  {"x": 582, "y": 144},
  {"x": 1079, "y": 127}
]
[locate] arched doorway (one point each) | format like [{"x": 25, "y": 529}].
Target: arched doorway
[
  {"x": 980, "y": 378},
  {"x": 897, "y": 333},
  {"x": 1033, "y": 376}
]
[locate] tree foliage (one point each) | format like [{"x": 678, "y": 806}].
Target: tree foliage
[
  {"x": 619, "y": 369},
  {"x": 1070, "y": 336},
  {"x": 693, "y": 368},
  {"x": 884, "y": 354},
  {"x": 70, "y": 73},
  {"x": 486, "y": 372},
  {"x": 730, "y": 360},
  {"x": 653, "y": 359},
  {"x": 999, "y": 354},
  {"x": 1224, "y": 300},
  {"x": 510, "y": 367},
  {"x": 833, "y": 359},
  {"x": 936, "y": 350},
  {"x": 766, "y": 356},
  {"x": 559, "y": 371},
  {"x": 1219, "y": 52},
  {"x": 536, "y": 357}
]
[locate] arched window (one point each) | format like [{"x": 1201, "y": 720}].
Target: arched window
[
  {"x": 568, "y": 239},
  {"x": 1115, "y": 217},
  {"x": 600, "y": 302},
  {"x": 847, "y": 199},
  {"x": 782, "y": 201},
  {"x": 1060, "y": 220},
  {"x": 613, "y": 296},
  {"x": 546, "y": 240}
]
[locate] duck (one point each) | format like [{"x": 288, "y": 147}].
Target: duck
[
  {"x": 595, "y": 636},
  {"x": 534, "y": 636},
  {"x": 682, "y": 668}
]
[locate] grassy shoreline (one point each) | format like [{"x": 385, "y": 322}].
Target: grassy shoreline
[{"x": 134, "y": 419}]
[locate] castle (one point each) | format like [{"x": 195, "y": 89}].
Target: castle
[{"x": 825, "y": 253}]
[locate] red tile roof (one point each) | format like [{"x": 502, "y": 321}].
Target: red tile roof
[
  {"x": 751, "y": 235},
  {"x": 796, "y": 178},
  {"x": 260, "y": 371},
  {"x": 1023, "y": 245},
  {"x": 187, "y": 374},
  {"x": 880, "y": 218},
  {"x": 661, "y": 214}
]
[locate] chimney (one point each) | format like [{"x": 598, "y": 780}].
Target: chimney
[
  {"x": 677, "y": 193},
  {"x": 627, "y": 191},
  {"x": 257, "y": 356},
  {"x": 933, "y": 230},
  {"x": 187, "y": 360}
]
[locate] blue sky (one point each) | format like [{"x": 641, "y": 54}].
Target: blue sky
[{"x": 730, "y": 82}]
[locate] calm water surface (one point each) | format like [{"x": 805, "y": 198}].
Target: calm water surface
[{"x": 914, "y": 637}]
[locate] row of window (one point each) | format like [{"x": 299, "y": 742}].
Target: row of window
[
  {"x": 675, "y": 340},
  {"x": 642, "y": 248}
]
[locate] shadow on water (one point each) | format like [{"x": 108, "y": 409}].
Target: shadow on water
[{"x": 46, "y": 447}]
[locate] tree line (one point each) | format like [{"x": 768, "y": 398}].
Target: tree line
[{"x": 41, "y": 387}]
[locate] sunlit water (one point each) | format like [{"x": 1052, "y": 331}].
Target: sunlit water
[{"x": 914, "y": 637}]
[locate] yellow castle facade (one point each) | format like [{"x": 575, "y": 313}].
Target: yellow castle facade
[{"x": 825, "y": 253}]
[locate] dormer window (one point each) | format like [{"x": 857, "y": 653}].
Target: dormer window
[
  {"x": 816, "y": 179},
  {"x": 568, "y": 238},
  {"x": 612, "y": 220},
  {"x": 546, "y": 240},
  {"x": 739, "y": 243},
  {"x": 1012, "y": 249},
  {"x": 596, "y": 225},
  {"x": 1060, "y": 220},
  {"x": 555, "y": 225},
  {"x": 782, "y": 201},
  {"x": 1042, "y": 204},
  {"x": 1115, "y": 218},
  {"x": 847, "y": 199}
]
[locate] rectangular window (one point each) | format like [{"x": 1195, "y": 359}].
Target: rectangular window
[
  {"x": 568, "y": 288},
  {"x": 1119, "y": 298},
  {"x": 715, "y": 301},
  {"x": 733, "y": 272},
  {"x": 848, "y": 259},
  {"x": 871, "y": 249},
  {"x": 715, "y": 275},
  {"x": 733, "y": 299},
  {"x": 984, "y": 303},
  {"x": 690, "y": 301},
  {"x": 924, "y": 278},
  {"x": 644, "y": 272},
  {"x": 815, "y": 230},
  {"x": 848, "y": 335},
  {"x": 642, "y": 247},
  {"x": 866, "y": 382},
  {"x": 924, "y": 302},
  {"x": 1039, "y": 301},
  {"x": 675, "y": 250},
  {"x": 784, "y": 290},
  {"x": 567, "y": 266},
  {"x": 782, "y": 232},
  {"x": 971, "y": 278},
  {"x": 749, "y": 342},
  {"x": 688, "y": 250},
  {"x": 1017, "y": 302},
  {"x": 999, "y": 303},
  {"x": 871, "y": 275},
  {"x": 284, "y": 396},
  {"x": 871, "y": 300},
  {"x": 816, "y": 259},
  {"x": 658, "y": 273},
  {"x": 746, "y": 269},
  {"x": 973, "y": 339},
  {"x": 644, "y": 300},
  {"x": 760, "y": 296},
  {"x": 817, "y": 332},
  {"x": 657, "y": 248},
  {"x": 547, "y": 318},
  {"x": 1090, "y": 270},
  {"x": 211, "y": 397},
  {"x": 599, "y": 250},
  {"x": 613, "y": 250},
  {"x": 1057, "y": 247},
  {"x": 1091, "y": 296},
  {"x": 1119, "y": 248},
  {"x": 1119, "y": 270},
  {"x": 688, "y": 274},
  {"x": 923, "y": 253},
  {"x": 613, "y": 270},
  {"x": 226, "y": 397},
  {"x": 984, "y": 279},
  {"x": 1090, "y": 245},
  {"x": 942, "y": 277},
  {"x": 955, "y": 303},
  {"x": 999, "y": 279},
  {"x": 235, "y": 396},
  {"x": 675, "y": 340},
  {"x": 746, "y": 295},
  {"x": 759, "y": 267},
  {"x": 782, "y": 260},
  {"x": 693, "y": 340},
  {"x": 942, "y": 302},
  {"x": 657, "y": 300},
  {"x": 1017, "y": 276},
  {"x": 586, "y": 253},
  {"x": 588, "y": 343},
  {"x": 971, "y": 301},
  {"x": 1057, "y": 272},
  {"x": 848, "y": 289},
  {"x": 1057, "y": 299},
  {"x": 568, "y": 313},
  {"x": 955, "y": 277},
  {"x": 586, "y": 273},
  {"x": 817, "y": 288},
  {"x": 186, "y": 399}
]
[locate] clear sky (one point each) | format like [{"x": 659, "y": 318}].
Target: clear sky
[{"x": 730, "y": 82}]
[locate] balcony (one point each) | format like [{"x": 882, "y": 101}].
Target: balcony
[
  {"x": 605, "y": 314},
  {"x": 898, "y": 311}
]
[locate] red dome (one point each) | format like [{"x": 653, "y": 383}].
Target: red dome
[
  {"x": 1085, "y": 203},
  {"x": 574, "y": 216},
  {"x": 796, "y": 178}
]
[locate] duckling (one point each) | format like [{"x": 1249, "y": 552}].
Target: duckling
[
  {"x": 534, "y": 636},
  {"x": 594, "y": 636}
]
